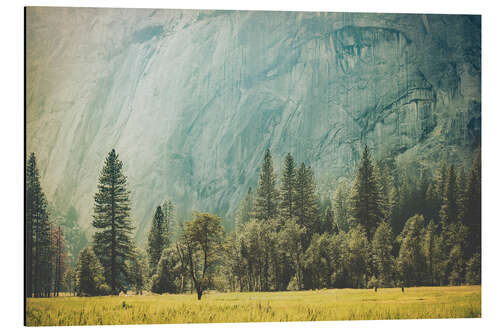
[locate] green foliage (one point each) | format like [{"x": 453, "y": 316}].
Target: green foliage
[
  {"x": 441, "y": 181},
  {"x": 288, "y": 188},
  {"x": 69, "y": 280},
  {"x": 60, "y": 259},
  {"x": 306, "y": 203},
  {"x": 282, "y": 241},
  {"x": 411, "y": 259},
  {"x": 266, "y": 202},
  {"x": 166, "y": 279},
  {"x": 341, "y": 207},
  {"x": 373, "y": 283},
  {"x": 90, "y": 279},
  {"x": 169, "y": 224},
  {"x": 358, "y": 256},
  {"x": 432, "y": 203},
  {"x": 429, "y": 241},
  {"x": 328, "y": 225},
  {"x": 137, "y": 271},
  {"x": 157, "y": 239},
  {"x": 457, "y": 263},
  {"x": 75, "y": 237},
  {"x": 473, "y": 270},
  {"x": 472, "y": 208},
  {"x": 365, "y": 203},
  {"x": 329, "y": 251},
  {"x": 449, "y": 209},
  {"x": 319, "y": 260},
  {"x": 387, "y": 189},
  {"x": 202, "y": 242},
  {"x": 234, "y": 268},
  {"x": 39, "y": 250},
  {"x": 383, "y": 260},
  {"x": 291, "y": 242},
  {"x": 258, "y": 250},
  {"x": 245, "y": 209},
  {"x": 112, "y": 242}
]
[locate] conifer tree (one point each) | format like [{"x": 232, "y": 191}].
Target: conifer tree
[
  {"x": 60, "y": 259},
  {"x": 358, "y": 256},
  {"x": 138, "y": 269},
  {"x": 461, "y": 187},
  {"x": 392, "y": 212},
  {"x": 341, "y": 207},
  {"x": 266, "y": 202},
  {"x": 74, "y": 236},
  {"x": 46, "y": 259},
  {"x": 441, "y": 182},
  {"x": 166, "y": 273},
  {"x": 429, "y": 248},
  {"x": 112, "y": 240},
  {"x": 365, "y": 202},
  {"x": 404, "y": 203},
  {"x": 168, "y": 209},
  {"x": 411, "y": 260},
  {"x": 386, "y": 184},
  {"x": 306, "y": 203},
  {"x": 432, "y": 203},
  {"x": 245, "y": 209},
  {"x": 382, "y": 253},
  {"x": 472, "y": 208},
  {"x": 90, "y": 279},
  {"x": 291, "y": 242},
  {"x": 328, "y": 225},
  {"x": 287, "y": 191},
  {"x": 449, "y": 208},
  {"x": 38, "y": 235},
  {"x": 473, "y": 269},
  {"x": 156, "y": 239}
]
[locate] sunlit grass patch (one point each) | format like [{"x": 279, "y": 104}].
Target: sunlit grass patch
[{"x": 332, "y": 304}]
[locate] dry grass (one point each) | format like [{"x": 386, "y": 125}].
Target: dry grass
[{"x": 332, "y": 304}]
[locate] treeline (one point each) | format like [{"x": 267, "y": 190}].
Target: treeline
[{"x": 385, "y": 228}]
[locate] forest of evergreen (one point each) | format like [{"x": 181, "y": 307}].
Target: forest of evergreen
[{"x": 387, "y": 227}]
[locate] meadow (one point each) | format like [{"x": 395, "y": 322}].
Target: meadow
[{"x": 328, "y": 304}]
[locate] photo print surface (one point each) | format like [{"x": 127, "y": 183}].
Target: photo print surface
[{"x": 196, "y": 166}]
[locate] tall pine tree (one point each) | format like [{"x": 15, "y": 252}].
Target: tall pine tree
[
  {"x": 366, "y": 208},
  {"x": 341, "y": 207},
  {"x": 449, "y": 208},
  {"x": 287, "y": 190},
  {"x": 245, "y": 209},
  {"x": 38, "y": 233},
  {"x": 156, "y": 239},
  {"x": 306, "y": 203},
  {"x": 266, "y": 202},
  {"x": 112, "y": 240}
]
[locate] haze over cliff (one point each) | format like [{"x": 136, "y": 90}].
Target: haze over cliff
[{"x": 191, "y": 99}]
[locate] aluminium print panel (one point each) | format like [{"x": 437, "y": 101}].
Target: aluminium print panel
[{"x": 195, "y": 166}]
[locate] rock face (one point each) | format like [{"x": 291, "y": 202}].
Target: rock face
[{"x": 191, "y": 99}]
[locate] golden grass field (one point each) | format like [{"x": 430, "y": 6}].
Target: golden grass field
[{"x": 331, "y": 304}]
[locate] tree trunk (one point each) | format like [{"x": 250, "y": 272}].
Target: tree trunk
[{"x": 200, "y": 293}]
